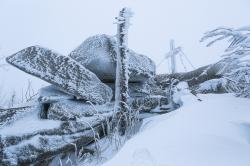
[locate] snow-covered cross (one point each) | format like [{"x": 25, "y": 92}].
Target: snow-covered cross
[{"x": 172, "y": 55}]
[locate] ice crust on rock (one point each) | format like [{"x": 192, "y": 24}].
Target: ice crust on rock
[
  {"x": 63, "y": 72},
  {"x": 98, "y": 54}
]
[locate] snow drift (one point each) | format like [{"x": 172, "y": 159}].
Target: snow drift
[{"x": 214, "y": 132}]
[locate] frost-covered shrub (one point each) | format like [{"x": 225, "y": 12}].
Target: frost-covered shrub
[
  {"x": 239, "y": 81},
  {"x": 237, "y": 57}
]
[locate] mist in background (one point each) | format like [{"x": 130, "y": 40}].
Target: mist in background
[{"x": 62, "y": 25}]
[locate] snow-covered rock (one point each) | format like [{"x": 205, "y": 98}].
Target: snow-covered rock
[
  {"x": 63, "y": 72},
  {"x": 98, "y": 54},
  {"x": 51, "y": 94},
  {"x": 31, "y": 140},
  {"x": 42, "y": 149},
  {"x": 134, "y": 89},
  {"x": 10, "y": 115},
  {"x": 73, "y": 110},
  {"x": 149, "y": 103}
]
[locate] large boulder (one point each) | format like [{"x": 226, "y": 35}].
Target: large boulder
[
  {"x": 98, "y": 54},
  {"x": 63, "y": 72}
]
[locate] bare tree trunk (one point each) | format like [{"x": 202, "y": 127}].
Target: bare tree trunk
[{"x": 122, "y": 77}]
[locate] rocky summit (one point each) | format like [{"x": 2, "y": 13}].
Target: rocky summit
[
  {"x": 63, "y": 72},
  {"x": 57, "y": 124},
  {"x": 98, "y": 54}
]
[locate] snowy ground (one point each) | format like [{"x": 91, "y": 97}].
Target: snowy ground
[{"x": 214, "y": 132}]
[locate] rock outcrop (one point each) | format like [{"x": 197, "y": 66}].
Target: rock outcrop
[
  {"x": 63, "y": 72},
  {"x": 98, "y": 54}
]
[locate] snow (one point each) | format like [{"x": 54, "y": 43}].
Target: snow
[
  {"x": 213, "y": 132},
  {"x": 29, "y": 124}
]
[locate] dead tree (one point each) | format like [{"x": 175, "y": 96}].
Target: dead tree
[{"x": 122, "y": 77}]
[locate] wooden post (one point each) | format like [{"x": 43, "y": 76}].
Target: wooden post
[{"x": 122, "y": 77}]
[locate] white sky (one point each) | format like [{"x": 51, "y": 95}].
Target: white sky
[{"x": 63, "y": 24}]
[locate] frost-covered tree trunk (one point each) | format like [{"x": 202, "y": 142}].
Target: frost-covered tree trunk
[
  {"x": 121, "y": 94},
  {"x": 194, "y": 77}
]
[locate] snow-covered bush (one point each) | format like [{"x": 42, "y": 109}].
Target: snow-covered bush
[
  {"x": 236, "y": 56},
  {"x": 213, "y": 86}
]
